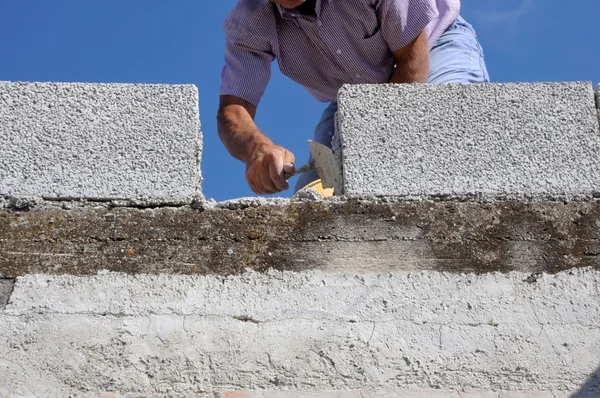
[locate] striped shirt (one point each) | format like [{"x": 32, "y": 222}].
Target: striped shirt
[{"x": 347, "y": 42}]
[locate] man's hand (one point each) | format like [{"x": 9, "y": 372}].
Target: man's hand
[
  {"x": 265, "y": 161},
  {"x": 265, "y": 169}
]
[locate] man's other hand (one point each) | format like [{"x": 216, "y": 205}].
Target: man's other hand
[{"x": 265, "y": 169}]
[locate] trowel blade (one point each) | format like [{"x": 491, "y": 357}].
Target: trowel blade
[{"x": 326, "y": 165}]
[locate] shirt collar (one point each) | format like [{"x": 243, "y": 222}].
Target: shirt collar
[
  {"x": 285, "y": 12},
  {"x": 290, "y": 13}
]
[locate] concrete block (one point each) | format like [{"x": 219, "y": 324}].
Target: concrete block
[
  {"x": 597, "y": 96},
  {"x": 491, "y": 140},
  {"x": 99, "y": 141},
  {"x": 6, "y": 287}
]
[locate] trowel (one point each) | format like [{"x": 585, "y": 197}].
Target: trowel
[{"x": 323, "y": 161}]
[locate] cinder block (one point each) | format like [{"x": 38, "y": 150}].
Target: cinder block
[
  {"x": 487, "y": 140},
  {"x": 597, "y": 95},
  {"x": 99, "y": 141}
]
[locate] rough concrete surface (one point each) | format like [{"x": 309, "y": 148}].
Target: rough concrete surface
[
  {"x": 350, "y": 236},
  {"x": 194, "y": 336},
  {"x": 597, "y": 95},
  {"x": 507, "y": 140},
  {"x": 6, "y": 287},
  {"x": 403, "y": 393},
  {"x": 101, "y": 141}
]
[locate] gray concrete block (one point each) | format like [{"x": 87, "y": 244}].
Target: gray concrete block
[
  {"x": 597, "y": 96},
  {"x": 99, "y": 141},
  {"x": 490, "y": 140}
]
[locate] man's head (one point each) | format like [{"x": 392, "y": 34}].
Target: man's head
[{"x": 288, "y": 3}]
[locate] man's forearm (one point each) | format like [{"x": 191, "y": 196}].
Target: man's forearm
[
  {"x": 266, "y": 163},
  {"x": 238, "y": 132},
  {"x": 412, "y": 62}
]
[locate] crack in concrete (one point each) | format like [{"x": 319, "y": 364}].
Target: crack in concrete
[
  {"x": 331, "y": 362},
  {"x": 372, "y": 333},
  {"x": 252, "y": 320}
]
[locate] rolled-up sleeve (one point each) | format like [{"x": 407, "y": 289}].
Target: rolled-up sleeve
[
  {"x": 248, "y": 59},
  {"x": 403, "y": 20}
]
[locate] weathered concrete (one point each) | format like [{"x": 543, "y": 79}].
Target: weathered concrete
[
  {"x": 99, "y": 141},
  {"x": 358, "y": 236},
  {"x": 490, "y": 140},
  {"x": 185, "y": 336},
  {"x": 6, "y": 287}
]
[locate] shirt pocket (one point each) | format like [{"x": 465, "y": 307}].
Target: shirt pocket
[{"x": 374, "y": 50}]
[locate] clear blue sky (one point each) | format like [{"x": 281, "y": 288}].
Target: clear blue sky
[{"x": 152, "y": 41}]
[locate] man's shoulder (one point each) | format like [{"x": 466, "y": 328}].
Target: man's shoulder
[{"x": 251, "y": 13}]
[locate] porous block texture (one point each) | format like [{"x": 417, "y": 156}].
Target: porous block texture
[
  {"x": 191, "y": 336},
  {"x": 597, "y": 95},
  {"x": 99, "y": 141},
  {"x": 497, "y": 140}
]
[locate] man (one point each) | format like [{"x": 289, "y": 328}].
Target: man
[{"x": 323, "y": 44}]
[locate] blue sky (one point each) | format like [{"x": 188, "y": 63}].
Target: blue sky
[{"x": 152, "y": 41}]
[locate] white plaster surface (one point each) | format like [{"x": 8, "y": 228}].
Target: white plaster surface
[
  {"x": 404, "y": 393},
  {"x": 99, "y": 141},
  {"x": 491, "y": 335},
  {"x": 486, "y": 140}
]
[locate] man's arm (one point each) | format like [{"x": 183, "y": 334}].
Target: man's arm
[
  {"x": 265, "y": 161},
  {"x": 412, "y": 61}
]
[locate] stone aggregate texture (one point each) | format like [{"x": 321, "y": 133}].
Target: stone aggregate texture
[
  {"x": 485, "y": 140},
  {"x": 511, "y": 334},
  {"x": 99, "y": 141},
  {"x": 597, "y": 95}
]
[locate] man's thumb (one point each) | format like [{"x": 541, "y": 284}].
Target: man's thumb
[{"x": 288, "y": 162}]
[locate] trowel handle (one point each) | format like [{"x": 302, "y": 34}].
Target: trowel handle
[{"x": 310, "y": 166}]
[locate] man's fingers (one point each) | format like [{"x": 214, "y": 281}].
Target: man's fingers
[
  {"x": 253, "y": 176},
  {"x": 266, "y": 173},
  {"x": 289, "y": 158},
  {"x": 256, "y": 188},
  {"x": 289, "y": 168},
  {"x": 265, "y": 178},
  {"x": 276, "y": 173},
  {"x": 288, "y": 162}
]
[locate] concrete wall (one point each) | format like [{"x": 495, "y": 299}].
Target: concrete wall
[
  {"x": 185, "y": 336},
  {"x": 99, "y": 141},
  {"x": 442, "y": 295}
]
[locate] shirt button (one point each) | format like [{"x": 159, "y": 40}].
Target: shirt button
[
  {"x": 339, "y": 52},
  {"x": 319, "y": 23},
  {"x": 358, "y": 76}
]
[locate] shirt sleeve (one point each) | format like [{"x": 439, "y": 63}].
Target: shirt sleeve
[
  {"x": 403, "y": 20},
  {"x": 248, "y": 59}
]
